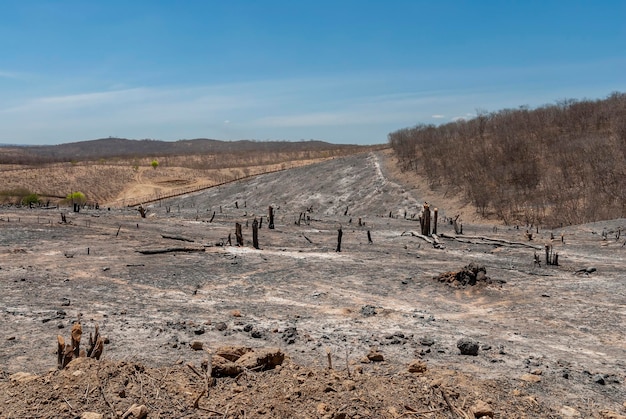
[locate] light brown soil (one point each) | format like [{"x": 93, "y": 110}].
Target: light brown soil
[{"x": 546, "y": 335}]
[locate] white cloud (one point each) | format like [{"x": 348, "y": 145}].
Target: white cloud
[{"x": 437, "y": 116}]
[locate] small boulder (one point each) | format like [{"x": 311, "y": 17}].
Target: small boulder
[
  {"x": 196, "y": 345},
  {"x": 530, "y": 378},
  {"x": 232, "y": 353},
  {"x": 261, "y": 359},
  {"x": 222, "y": 367},
  {"x": 417, "y": 367},
  {"x": 375, "y": 356},
  {"x": 136, "y": 412},
  {"x": 91, "y": 415},
  {"x": 481, "y": 409},
  {"x": 467, "y": 346}
]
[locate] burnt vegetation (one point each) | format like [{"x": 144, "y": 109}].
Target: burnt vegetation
[{"x": 556, "y": 165}]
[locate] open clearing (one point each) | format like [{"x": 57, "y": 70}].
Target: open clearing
[{"x": 552, "y": 343}]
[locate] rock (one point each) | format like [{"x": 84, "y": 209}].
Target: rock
[
  {"x": 220, "y": 326},
  {"x": 607, "y": 414},
  {"x": 248, "y": 328},
  {"x": 222, "y": 367},
  {"x": 289, "y": 335},
  {"x": 136, "y": 411},
  {"x": 196, "y": 345},
  {"x": 91, "y": 415},
  {"x": 536, "y": 371},
  {"x": 427, "y": 341},
  {"x": 481, "y": 409},
  {"x": 261, "y": 359},
  {"x": 22, "y": 377},
  {"x": 417, "y": 367},
  {"x": 368, "y": 311},
  {"x": 485, "y": 347},
  {"x": 232, "y": 353},
  {"x": 349, "y": 385},
  {"x": 65, "y": 301},
  {"x": 530, "y": 378},
  {"x": 569, "y": 412},
  {"x": 467, "y": 346},
  {"x": 257, "y": 334},
  {"x": 199, "y": 331},
  {"x": 598, "y": 379},
  {"x": 375, "y": 356}
]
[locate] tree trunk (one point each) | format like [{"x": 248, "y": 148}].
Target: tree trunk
[
  {"x": 271, "y": 214},
  {"x": 238, "y": 234},
  {"x": 339, "y": 234},
  {"x": 255, "y": 234}
]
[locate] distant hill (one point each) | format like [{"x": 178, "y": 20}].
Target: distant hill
[
  {"x": 122, "y": 147},
  {"x": 557, "y": 164}
]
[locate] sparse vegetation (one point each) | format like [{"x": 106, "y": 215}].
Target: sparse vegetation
[
  {"x": 154, "y": 164},
  {"x": 76, "y": 197},
  {"x": 557, "y": 164}
]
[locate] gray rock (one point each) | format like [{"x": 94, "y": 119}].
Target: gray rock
[
  {"x": 368, "y": 311},
  {"x": 467, "y": 346}
]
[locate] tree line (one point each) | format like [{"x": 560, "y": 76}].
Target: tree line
[{"x": 558, "y": 164}]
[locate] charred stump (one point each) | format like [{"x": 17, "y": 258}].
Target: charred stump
[
  {"x": 271, "y": 218},
  {"x": 255, "y": 234},
  {"x": 238, "y": 234},
  {"x": 339, "y": 235}
]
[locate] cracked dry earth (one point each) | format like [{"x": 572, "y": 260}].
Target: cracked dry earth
[{"x": 551, "y": 343}]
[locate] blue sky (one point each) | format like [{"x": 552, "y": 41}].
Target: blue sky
[{"x": 339, "y": 71}]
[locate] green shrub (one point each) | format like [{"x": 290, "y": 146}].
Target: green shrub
[
  {"x": 76, "y": 197},
  {"x": 31, "y": 198}
]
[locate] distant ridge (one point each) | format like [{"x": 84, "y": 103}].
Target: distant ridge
[{"x": 122, "y": 147}]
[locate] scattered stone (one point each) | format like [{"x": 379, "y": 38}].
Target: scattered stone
[
  {"x": 485, "y": 347},
  {"x": 235, "y": 313},
  {"x": 262, "y": 359},
  {"x": 220, "y": 326},
  {"x": 257, "y": 334},
  {"x": 289, "y": 335},
  {"x": 427, "y": 341},
  {"x": 375, "y": 356},
  {"x": 232, "y": 353},
  {"x": 22, "y": 377},
  {"x": 467, "y": 346},
  {"x": 481, "y": 409},
  {"x": 349, "y": 385},
  {"x": 530, "y": 378},
  {"x": 536, "y": 371},
  {"x": 65, "y": 301},
  {"x": 569, "y": 412},
  {"x": 196, "y": 345},
  {"x": 91, "y": 415},
  {"x": 136, "y": 411},
  {"x": 248, "y": 328},
  {"x": 222, "y": 367},
  {"x": 417, "y": 367},
  {"x": 11, "y": 338},
  {"x": 368, "y": 311},
  {"x": 199, "y": 331},
  {"x": 598, "y": 379}
]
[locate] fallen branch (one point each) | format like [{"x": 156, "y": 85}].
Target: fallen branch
[
  {"x": 179, "y": 238},
  {"x": 495, "y": 241},
  {"x": 170, "y": 250}
]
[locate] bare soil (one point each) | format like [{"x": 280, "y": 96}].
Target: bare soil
[{"x": 551, "y": 341}]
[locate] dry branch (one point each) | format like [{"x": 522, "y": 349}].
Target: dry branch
[
  {"x": 179, "y": 238},
  {"x": 170, "y": 250},
  {"x": 495, "y": 241}
]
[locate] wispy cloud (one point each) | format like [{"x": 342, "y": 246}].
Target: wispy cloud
[{"x": 437, "y": 116}]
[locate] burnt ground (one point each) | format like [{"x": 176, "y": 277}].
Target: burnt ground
[{"x": 551, "y": 342}]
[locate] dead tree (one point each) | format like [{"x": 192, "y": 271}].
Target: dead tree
[
  {"x": 425, "y": 220},
  {"x": 435, "y": 221},
  {"x": 255, "y": 234},
  {"x": 458, "y": 227},
  {"x": 142, "y": 211},
  {"x": 63, "y": 218},
  {"x": 271, "y": 217},
  {"x": 236, "y": 204},
  {"x": 551, "y": 258},
  {"x": 339, "y": 235},
  {"x": 369, "y": 237},
  {"x": 238, "y": 234}
]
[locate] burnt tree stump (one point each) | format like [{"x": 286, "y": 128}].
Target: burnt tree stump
[
  {"x": 255, "y": 234},
  {"x": 339, "y": 235},
  {"x": 271, "y": 218},
  {"x": 238, "y": 234}
]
